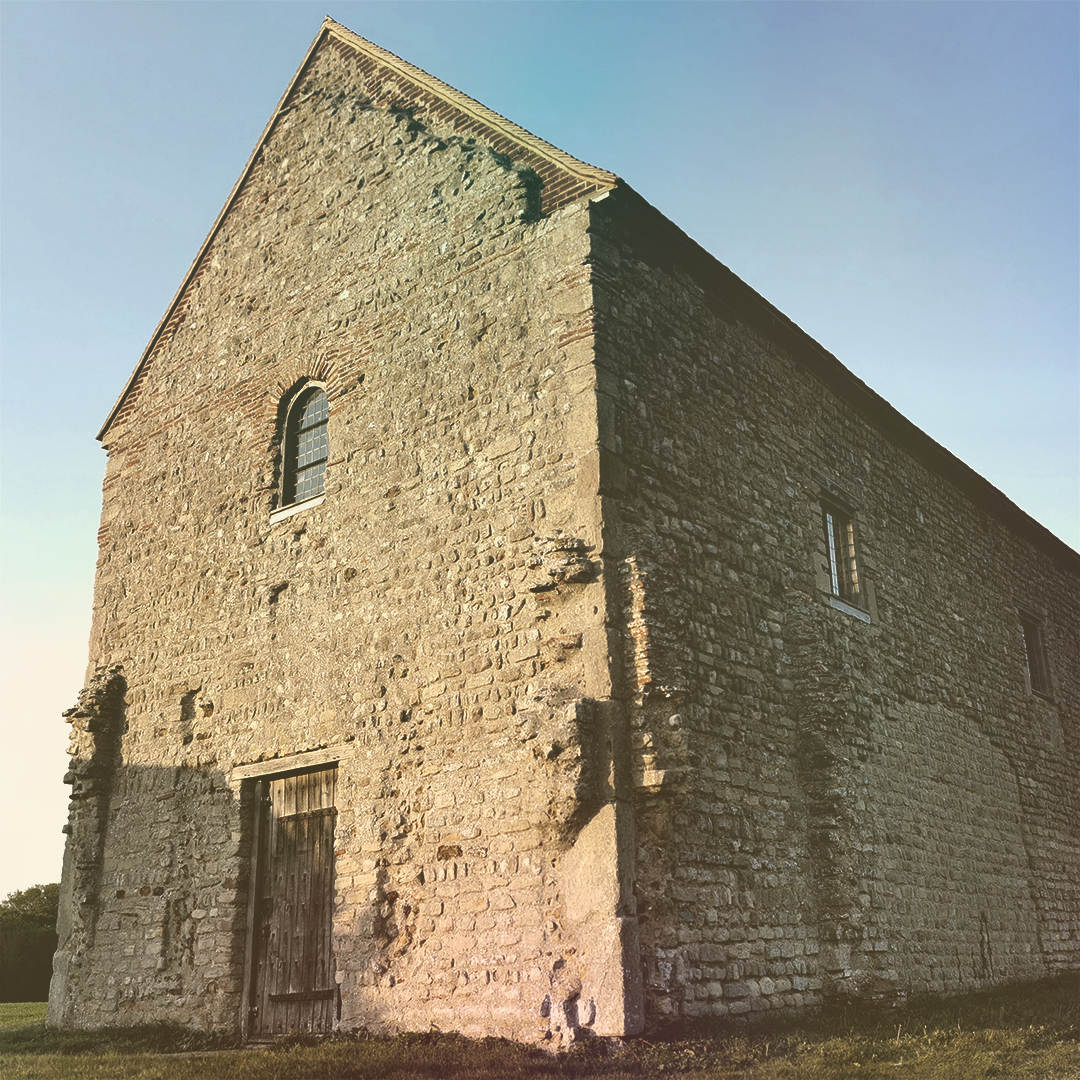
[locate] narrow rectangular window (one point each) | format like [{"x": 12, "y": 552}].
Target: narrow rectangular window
[
  {"x": 843, "y": 563},
  {"x": 1038, "y": 674}
]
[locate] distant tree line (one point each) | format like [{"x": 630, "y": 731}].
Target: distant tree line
[{"x": 27, "y": 942}]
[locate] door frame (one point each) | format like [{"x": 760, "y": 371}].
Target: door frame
[{"x": 252, "y": 777}]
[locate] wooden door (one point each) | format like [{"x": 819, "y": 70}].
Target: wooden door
[{"x": 292, "y": 972}]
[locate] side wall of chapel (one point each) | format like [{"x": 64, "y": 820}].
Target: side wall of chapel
[{"x": 829, "y": 801}]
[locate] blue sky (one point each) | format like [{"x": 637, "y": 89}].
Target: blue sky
[{"x": 899, "y": 178}]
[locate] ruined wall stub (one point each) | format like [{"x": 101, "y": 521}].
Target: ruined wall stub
[{"x": 607, "y": 749}]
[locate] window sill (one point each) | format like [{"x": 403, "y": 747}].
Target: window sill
[
  {"x": 296, "y": 508},
  {"x": 849, "y": 609}
]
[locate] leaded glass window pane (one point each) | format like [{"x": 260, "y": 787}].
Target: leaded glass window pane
[
  {"x": 307, "y": 447},
  {"x": 843, "y": 566}
]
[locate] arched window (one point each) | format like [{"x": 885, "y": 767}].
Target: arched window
[{"x": 306, "y": 447}]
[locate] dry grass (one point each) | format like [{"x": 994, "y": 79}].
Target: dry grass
[{"x": 1017, "y": 1033}]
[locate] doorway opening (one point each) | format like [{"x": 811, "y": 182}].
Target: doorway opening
[{"x": 292, "y": 985}]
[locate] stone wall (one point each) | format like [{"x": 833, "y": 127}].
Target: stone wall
[
  {"x": 829, "y": 801},
  {"x": 438, "y": 618},
  {"x": 607, "y": 750}
]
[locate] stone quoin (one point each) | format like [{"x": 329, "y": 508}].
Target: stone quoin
[{"x": 506, "y": 620}]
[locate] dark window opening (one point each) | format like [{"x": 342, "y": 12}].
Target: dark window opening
[
  {"x": 307, "y": 447},
  {"x": 1038, "y": 674},
  {"x": 843, "y": 563}
]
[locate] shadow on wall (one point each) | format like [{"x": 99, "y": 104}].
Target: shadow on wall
[
  {"x": 153, "y": 914},
  {"x": 214, "y": 897},
  {"x": 179, "y": 899}
]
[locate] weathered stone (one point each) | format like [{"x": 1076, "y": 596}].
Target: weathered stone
[{"x": 570, "y": 667}]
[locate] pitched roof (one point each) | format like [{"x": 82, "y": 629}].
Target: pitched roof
[{"x": 395, "y": 82}]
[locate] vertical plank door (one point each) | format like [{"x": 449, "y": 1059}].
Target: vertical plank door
[{"x": 292, "y": 975}]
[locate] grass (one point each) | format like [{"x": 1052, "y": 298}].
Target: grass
[
  {"x": 19, "y": 1015},
  {"x": 1029, "y": 1032}
]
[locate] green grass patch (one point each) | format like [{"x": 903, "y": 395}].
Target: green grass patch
[
  {"x": 134, "y": 1039},
  {"x": 1029, "y": 1032},
  {"x": 19, "y": 1014}
]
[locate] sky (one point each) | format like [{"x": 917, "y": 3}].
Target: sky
[{"x": 900, "y": 179}]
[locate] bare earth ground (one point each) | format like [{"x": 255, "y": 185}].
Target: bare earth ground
[{"x": 1029, "y": 1032}]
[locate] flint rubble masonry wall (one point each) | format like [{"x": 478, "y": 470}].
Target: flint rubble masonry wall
[
  {"x": 827, "y": 804},
  {"x": 608, "y": 754},
  {"x": 440, "y": 616}
]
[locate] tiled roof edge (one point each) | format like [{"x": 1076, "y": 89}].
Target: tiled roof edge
[
  {"x": 727, "y": 288},
  {"x": 237, "y": 187},
  {"x": 472, "y": 108}
]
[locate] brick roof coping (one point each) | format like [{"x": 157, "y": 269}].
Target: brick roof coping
[
  {"x": 565, "y": 178},
  {"x": 474, "y": 116}
]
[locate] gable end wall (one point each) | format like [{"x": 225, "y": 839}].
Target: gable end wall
[{"x": 435, "y": 625}]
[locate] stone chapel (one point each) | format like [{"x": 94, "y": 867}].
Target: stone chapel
[{"x": 507, "y": 620}]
